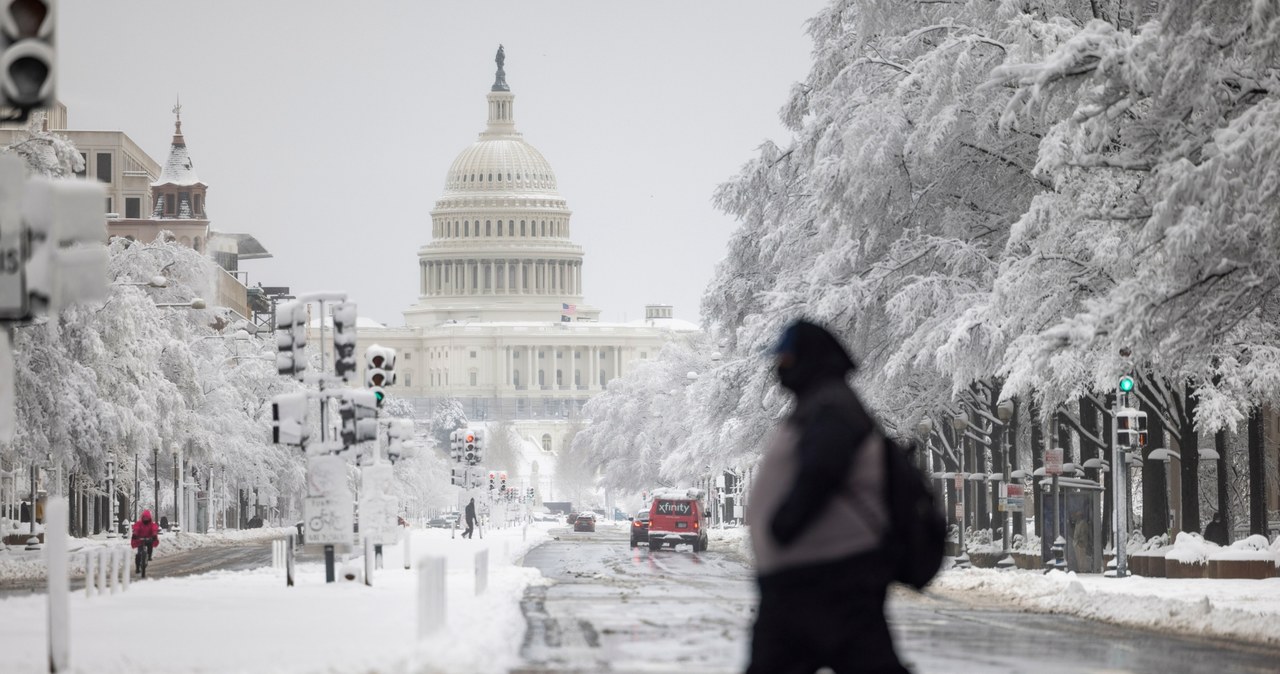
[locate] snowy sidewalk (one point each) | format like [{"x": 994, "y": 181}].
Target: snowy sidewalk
[
  {"x": 1246, "y": 610},
  {"x": 250, "y": 621}
]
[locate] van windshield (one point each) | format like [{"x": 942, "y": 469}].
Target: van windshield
[{"x": 666, "y": 507}]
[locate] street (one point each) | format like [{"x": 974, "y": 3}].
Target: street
[{"x": 613, "y": 608}]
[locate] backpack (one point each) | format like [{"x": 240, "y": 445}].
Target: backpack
[{"x": 915, "y": 541}]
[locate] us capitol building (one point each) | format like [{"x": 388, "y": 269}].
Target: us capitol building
[{"x": 501, "y": 323}]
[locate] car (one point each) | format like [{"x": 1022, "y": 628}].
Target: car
[
  {"x": 585, "y": 522},
  {"x": 572, "y": 518},
  {"x": 640, "y": 528},
  {"x": 438, "y": 523},
  {"x": 678, "y": 516}
]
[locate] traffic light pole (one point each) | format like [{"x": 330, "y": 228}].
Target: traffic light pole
[
  {"x": 1119, "y": 496},
  {"x": 329, "y": 573}
]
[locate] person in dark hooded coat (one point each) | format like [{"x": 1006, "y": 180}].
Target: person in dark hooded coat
[
  {"x": 1216, "y": 530},
  {"x": 818, "y": 521}
]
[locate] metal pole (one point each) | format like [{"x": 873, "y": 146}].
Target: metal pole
[
  {"x": 328, "y": 549},
  {"x": 155, "y": 472},
  {"x": 1008, "y": 514},
  {"x": 1119, "y": 497}
]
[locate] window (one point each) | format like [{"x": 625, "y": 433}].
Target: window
[
  {"x": 577, "y": 377},
  {"x": 199, "y": 208},
  {"x": 542, "y": 378},
  {"x": 132, "y": 207},
  {"x": 473, "y": 354},
  {"x": 522, "y": 228},
  {"x": 472, "y": 376},
  {"x": 539, "y": 354},
  {"x": 108, "y": 206},
  {"x": 515, "y": 378},
  {"x": 577, "y": 355},
  {"x": 515, "y": 355},
  {"x": 104, "y": 167},
  {"x": 170, "y": 205},
  {"x": 408, "y": 355},
  {"x": 466, "y": 228},
  {"x": 488, "y": 228},
  {"x": 408, "y": 379},
  {"x": 83, "y": 170},
  {"x": 559, "y": 378},
  {"x": 644, "y": 355},
  {"x": 546, "y": 442}
]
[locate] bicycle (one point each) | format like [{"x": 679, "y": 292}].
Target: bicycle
[{"x": 142, "y": 556}]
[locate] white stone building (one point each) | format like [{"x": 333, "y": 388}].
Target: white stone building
[{"x": 500, "y": 322}]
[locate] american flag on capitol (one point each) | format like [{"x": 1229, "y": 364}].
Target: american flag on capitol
[{"x": 569, "y": 309}]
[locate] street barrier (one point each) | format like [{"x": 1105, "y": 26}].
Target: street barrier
[
  {"x": 431, "y": 604},
  {"x": 106, "y": 570},
  {"x": 282, "y": 556},
  {"x": 408, "y": 543},
  {"x": 368, "y": 562}
]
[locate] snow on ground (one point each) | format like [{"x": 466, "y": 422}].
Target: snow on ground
[
  {"x": 1247, "y": 610},
  {"x": 249, "y": 621},
  {"x": 18, "y": 563}
]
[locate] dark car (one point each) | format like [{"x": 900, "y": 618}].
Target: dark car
[
  {"x": 585, "y": 522},
  {"x": 640, "y": 528},
  {"x": 438, "y": 523},
  {"x": 572, "y": 518}
]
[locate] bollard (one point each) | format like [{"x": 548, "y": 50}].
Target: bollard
[
  {"x": 110, "y": 561},
  {"x": 102, "y": 570},
  {"x": 89, "y": 572},
  {"x": 482, "y": 571},
  {"x": 126, "y": 569},
  {"x": 368, "y": 562},
  {"x": 55, "y": 540},
  {"x": 288, "y": 562},
  {"x": 431, "y": 605},
  {"x": 408, "y": 543}
]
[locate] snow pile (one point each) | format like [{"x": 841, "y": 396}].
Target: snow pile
[
  {"x": 1155, "y": 546},
  {"x": 1029, "y": 544},
  {"x": 264, "y": 626},
  {"x": 1253, "y": 548},
  {"x": 1248, "y": 610},
  {"x": 1191, "y": 548}
]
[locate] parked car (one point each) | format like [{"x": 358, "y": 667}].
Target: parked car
[
  {"x": 677, "y": 516},
  {"x": 438, "y": 523},
  {"x": 572, "y": 518},
  {"x": 640, "y": 528},
  {"x": 585, "y": 522}
]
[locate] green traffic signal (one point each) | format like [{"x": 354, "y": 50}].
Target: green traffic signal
[
  {"x": 1126, "y": 384},
  {"x": 378, "y": 395}
]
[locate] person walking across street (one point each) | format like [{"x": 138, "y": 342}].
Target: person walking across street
[
  {"x": 471, "y": 519},
  {"x": 818, "y": 521}
]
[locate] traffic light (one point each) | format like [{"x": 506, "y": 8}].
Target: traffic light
[
  {"x": 51, "y": 234},
  {"x": 502, "y": 477},
  {"x": 344, "y": 340},
  {"x": 458, "y": 477},
  {"x": 379, "y": 369},
  {"x": 399, "y": 439},
  {"x": 477, "y": 443},
  {"x": 455, "y": 445},
  {"x": 1126, "y": 384},
  {"x": 1131, "y": 428},
  {"x": 359, "y": 413},
  {"x": 289, "y": 419},
  {"x": 291, "y": 339},
  {"x": 27, "y": 58},
  {"x": 529, "y": 493},
  {"x": 472, "y": 449},
  {"x": 492, "y": 477}
]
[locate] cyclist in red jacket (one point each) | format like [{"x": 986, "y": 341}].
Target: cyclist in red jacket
[{"x": 145, "y": 528}]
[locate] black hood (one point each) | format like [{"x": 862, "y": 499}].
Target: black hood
[{"x": 816, "y": 356}]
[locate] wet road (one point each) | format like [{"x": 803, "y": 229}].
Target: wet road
[{"x": 615, "y": 609}]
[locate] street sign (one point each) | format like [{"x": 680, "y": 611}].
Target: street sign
[
  {"x": 329, "y": 508},
  {"x": 960, "y": 512},
  {"x": 959, "y": 481},
  {"x": 1053, "y": 461},
  {"x": 379, "y": 519},
  {"x": 1011, "y": 498}
]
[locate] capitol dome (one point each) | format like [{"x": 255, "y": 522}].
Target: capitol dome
[{"x": 500, "y": 164}]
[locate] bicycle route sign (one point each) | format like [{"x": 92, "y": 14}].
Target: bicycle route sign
[{"x": 329, "y": 508}]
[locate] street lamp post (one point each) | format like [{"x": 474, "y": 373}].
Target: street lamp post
[
  {"x": 111, "y": 494},
  {"x": 959, "y": 423}
]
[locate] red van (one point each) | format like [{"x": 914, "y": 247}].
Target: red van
[{"x": 677, "y": 516}]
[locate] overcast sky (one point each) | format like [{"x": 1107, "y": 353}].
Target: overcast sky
[{"x": 326, "y": 132}]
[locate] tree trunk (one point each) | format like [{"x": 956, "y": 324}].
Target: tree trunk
[
  {"x": 1037, "y": 462},
  {"x": 1019, "y": 523},
  {"x": 1257, "y": 475},
  {"x": 1108, "y": 493},
  {"x": 981, "y": 516},
  {"x": 1155, "y": 500},
  {"x": 1189, "y": 448},
  {"x": 1088, "y": 421}
]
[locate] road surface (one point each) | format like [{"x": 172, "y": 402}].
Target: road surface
[{"x": 616, "y": 609}]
